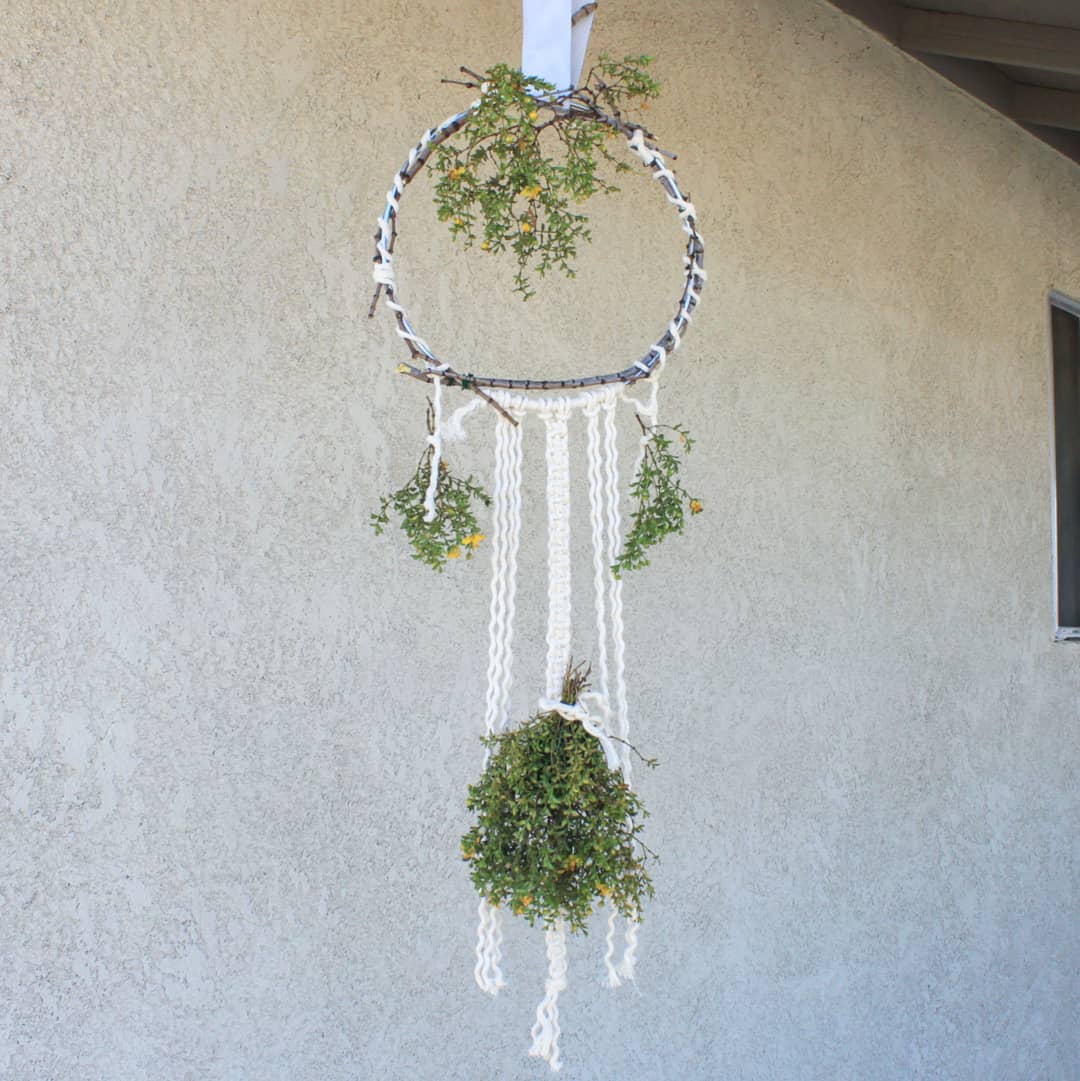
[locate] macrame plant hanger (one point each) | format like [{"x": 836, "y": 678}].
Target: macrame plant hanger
[{"x": 554, "y": 46}]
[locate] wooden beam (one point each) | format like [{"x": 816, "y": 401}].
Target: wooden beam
[
  {"x": 1044, "y": 105},
  {"x": 997, "y": 41}
]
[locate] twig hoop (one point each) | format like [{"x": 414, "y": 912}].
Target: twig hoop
[{"x": 423, "y": 362}]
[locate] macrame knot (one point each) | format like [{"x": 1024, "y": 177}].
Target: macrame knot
[
  {"x": 637, "y": 145},
  {"x": 594, "y": 724}
]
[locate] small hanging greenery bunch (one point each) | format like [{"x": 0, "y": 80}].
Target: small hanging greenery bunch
[
  {"x": 454, "y": 531},
  {"x": 500, "y": 186},
  {"x": 662, "y": 501},
  {"x": 557, "y": 830}
]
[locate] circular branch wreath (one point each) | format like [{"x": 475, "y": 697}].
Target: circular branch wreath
[
  {"x": 424, "y": 363},
  {"x": 499, "y": 183}
]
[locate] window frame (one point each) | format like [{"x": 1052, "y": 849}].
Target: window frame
[{"x": 1071, "y": 306}]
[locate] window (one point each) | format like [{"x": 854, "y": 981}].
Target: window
[{"x": 1065, "y": 335}]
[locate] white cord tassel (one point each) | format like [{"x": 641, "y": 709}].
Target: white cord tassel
[
  {"x": 628, "y": 963},
  {"x": 489, "y": 977},
  {"x": 613, "y": 979},
  {"x": 546, "y": 1030}
]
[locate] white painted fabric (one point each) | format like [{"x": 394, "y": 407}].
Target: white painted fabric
[
  {"x": 547, "y": 41},
  {"x": 579, "y": 43}
]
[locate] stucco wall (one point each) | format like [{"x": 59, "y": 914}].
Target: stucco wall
[{"x": 237, "y": 728}]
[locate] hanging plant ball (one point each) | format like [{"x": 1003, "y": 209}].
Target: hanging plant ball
[{"x": 557, "y": 830}]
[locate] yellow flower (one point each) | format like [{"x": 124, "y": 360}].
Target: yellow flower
[
  {"x": 457, "y": 220},
  {"x": 403, "y": 369},
  {"x": 526, "y": 900},
  {"x": 533, "y": 115},
  {"x": 526, "y": 227},
  {"x": 604, "y": 891},
  {"x": 696, "y": 506},
  {"x": 486, "y": 246},
  {"x": 454, "y": 553},
  {"x": 457, "y": 172},
  {"x": 530, "y": 193},
  {"x": 473, "y": 540}
]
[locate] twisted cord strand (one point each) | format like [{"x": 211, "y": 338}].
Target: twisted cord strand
[
  {"x": 613, "y": 535},
  {"x": 559, "y": 628},
  {"x": 613, "y": 978},
  {"x": 601, "y": 563},
  {"x": 506, "y": 528},
  {"x": 546, "y": 1030},
  {"x": 488, "y": 974}
]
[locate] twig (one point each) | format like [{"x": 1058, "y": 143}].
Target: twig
[
  {"x": 374, "y": 301},
  {"x": 494, "y": 404},
  {"x": 652, "y": 763}
]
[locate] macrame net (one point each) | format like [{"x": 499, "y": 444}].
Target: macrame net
[
  {"x": 603, "y": 713},
  {"x": 595, "y": 401}
]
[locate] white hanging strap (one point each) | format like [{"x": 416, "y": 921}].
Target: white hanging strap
[
  {"x": 545, "y": 1032},
  {"x": 580, "y": 29},
  {"x": 554, "y": 39}
]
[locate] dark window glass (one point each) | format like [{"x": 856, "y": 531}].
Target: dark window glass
[{"x": 1065, "y": 328}]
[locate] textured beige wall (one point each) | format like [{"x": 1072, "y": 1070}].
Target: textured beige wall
[{"x": 237, "y": 729}]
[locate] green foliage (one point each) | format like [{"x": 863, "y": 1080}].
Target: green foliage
[
  {"x": 662, "y": 501},
  {"x": 454, "y": 529},
  {"x": 499, "y": 185},
  {"x": 557, "y": 829}
]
